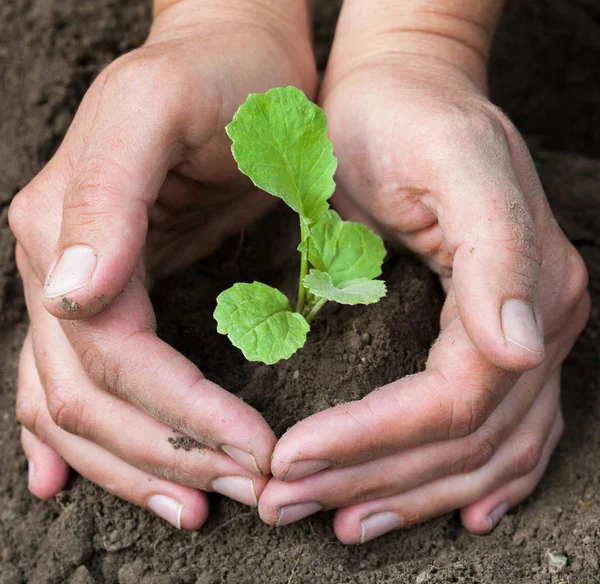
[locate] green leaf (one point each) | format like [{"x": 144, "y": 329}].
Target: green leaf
[
  {"x": 344, "y": 249},
  {"x": 259, "y": 321},
  {"x": 280, "y": 142},
  {"x": 358, "y": 291}
]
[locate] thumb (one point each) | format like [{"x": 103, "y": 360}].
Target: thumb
[
  {"x": 497, "y": 256},
  {"x": 105, "y": 209}
]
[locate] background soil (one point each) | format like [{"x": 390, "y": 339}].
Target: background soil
[{"x": 545, "y": 75}]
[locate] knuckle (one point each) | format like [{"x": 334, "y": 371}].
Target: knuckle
[
  {"x": 527, "y": 457},
  {"x": 182, "y": 468},
  {"x": 522, "y": 257},
  {"x": 21, "y": 258},
  {"x": 366, "y": 420},
  {"x": 525, "y": 244},
  {"x": 148, "y": 73},
  {"x": 111, "y": 361},
  {"x": 576, "y": 281},
  {"x": 478, "y": 454},
  {"x": 465, "y": 411},
  {"x": 64, "y": 408},
  {"x": 27, "y": 412},
  {"x": 469, "y": 414},
  {"x": 95, "y": 196},
  {"x": 124, "y": 72},
  {"x": 19, "y": 215},
  {"x": 451, "y": 123},
  {"x": 95, "y": 363}
]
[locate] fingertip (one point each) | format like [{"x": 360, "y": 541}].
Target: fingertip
[
  {"x": 195, "y": 512},
  {"x": 258, "y": 459},
  {"x": 276, "y": 496},
  {"x": 347, "y": 528},
  {"x": 72, "y": 307},
  {"x": 87, "y": 303},
  {"x": 259, "y": 484},
  {"x": 182, "y": 507},
  {"x": 509, "y": 336},
  {"x": 475, "y": 520},
  {"x": 522, "y": 330},
  {"x": 299, "y": 453},
  {"x": 498, "y": 310},
  {"x": 83, "y": 282},
  {"x": 267, "y": 511},
  {"x": 48, "y": 472}
]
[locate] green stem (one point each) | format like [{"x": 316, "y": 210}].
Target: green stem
[
  {"x": 303, "y": 271},
  {"x": 313, "y": 311}
]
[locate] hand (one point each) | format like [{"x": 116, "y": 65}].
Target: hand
[
  {"x": 143, "y": 184},
  {"x": 426, "y": 159}
]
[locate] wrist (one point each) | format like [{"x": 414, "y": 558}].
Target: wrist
[
  {"x": 453, "y": 36},
  {"x": 270, "y": 31},
  {"x": 291, "y": 15}
]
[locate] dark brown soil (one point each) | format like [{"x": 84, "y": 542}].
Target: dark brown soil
[{"x": 545, "y": 74}]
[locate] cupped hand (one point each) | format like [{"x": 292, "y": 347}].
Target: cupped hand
[
  {"x": 143, "y": 184},
  {"x": 428, "y": 161}
]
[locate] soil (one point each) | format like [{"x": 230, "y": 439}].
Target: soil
[{"x": 545, "y": 75}]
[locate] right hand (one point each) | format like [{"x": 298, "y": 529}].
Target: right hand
[{"x": 144, "y": 184}]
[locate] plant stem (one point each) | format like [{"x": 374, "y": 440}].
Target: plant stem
[
  {"x": 313, "y": 311},
  {"x": 303, "y": 270}
]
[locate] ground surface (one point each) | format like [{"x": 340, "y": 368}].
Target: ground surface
[{"x": 545, "y": 76}]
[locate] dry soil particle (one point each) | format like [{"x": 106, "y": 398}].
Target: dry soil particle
[{"x": 184, "y": 442}]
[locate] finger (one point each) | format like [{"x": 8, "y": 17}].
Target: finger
[
  {"x": 486, "y": 219},
  {"x": 451, "y": 399},
  {"x": 131, "y": 145},
  {"x": 484, "y": 515},
  {"x": 119, "y": 351},
  {"x": 47, "y": 471},
  {"x": 403, "y": 471},
  {"x": 126, "y": 431},
  {"x": 525, "y": 454},
  {"x": 410, "y": 468},
  {"x": 181, "y": 506},
  {"x": 564, "y": 277}
]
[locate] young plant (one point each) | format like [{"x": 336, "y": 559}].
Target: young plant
[{"x": 280, "y": 142}]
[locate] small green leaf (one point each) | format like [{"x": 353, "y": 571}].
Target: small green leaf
[
  {"x": 357, "y": 291},
  {"x": 259, "y": 321},
  {"x": 280, "y": 142},
  {"x": 344, "y": 249}
]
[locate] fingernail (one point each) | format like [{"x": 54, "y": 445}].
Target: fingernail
[
  {"x": 30, "y": 473},
  {"x": 305, "y": 468},
  {"x": 520, "y": 327},
  {"x": 244, "y": 458},
  {"x": 497, "y": 514},
  {"x": 377, "y": 524},
  {"x": 166, "y": 508},
  {"x": 292, "y": 513},
  {"x": 74, "y": 270},
  {"x": 239, "y": 488}
]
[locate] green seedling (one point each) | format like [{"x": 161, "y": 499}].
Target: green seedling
[{"x": 280, "y": 142}]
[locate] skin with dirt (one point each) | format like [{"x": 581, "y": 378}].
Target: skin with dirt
[
  {"x": 544, "y": 74},
  {"x": 184, "y": 442},
  {"x": 67, "y": 305}
]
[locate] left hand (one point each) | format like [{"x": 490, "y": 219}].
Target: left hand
[{"x": 427, "y": 160}]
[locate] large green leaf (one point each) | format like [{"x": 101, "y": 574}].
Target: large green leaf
[
  {"x": 259, "y": 321},
  {"x": 344, "y": 249},
  {"x": 280, "y": 142},
  {"x": 358, "y": 291}
]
